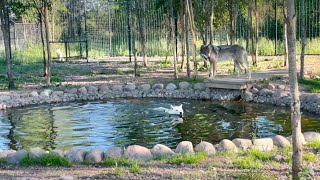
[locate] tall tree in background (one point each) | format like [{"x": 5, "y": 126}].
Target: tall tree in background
[
  {"x": 182, "y": 27},
  {"x": 5, "y": 27},
  {"x": 173, "y": 31},
  {"x": 303, "y": 39},
  {"x": 46, "y": 25},
  {"x": 295, "y": 104},
  {"x": 285, "y": 39},
  {"x": 194, "y": 37},
  {"x": 233, "y": 6},
  {"x": 140, "y": 13},
  {"x": 249, "y": 19}
]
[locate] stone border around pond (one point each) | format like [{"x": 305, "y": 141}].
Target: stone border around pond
[
  {"x": 271, "y": 94},
  {"x": 140, "y": 153}
]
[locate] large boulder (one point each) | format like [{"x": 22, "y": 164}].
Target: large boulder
[
  {"x": 263, "y": 144},
  {"x": 311, "y": 136},
  {"x": 114, "y": 153},
  {"x": 144, "y": 87},
  {"x": 82, "y": 91},
  {"x": 92, "y": 89},
  {"x": 57, "y": 152},
  {"x": 116, "y": 88},
  {"x": 129, "y": 87},
  {"x": 184, "y": 147},
  {"x": 199, "y": 86},
  {"x": 76, "y": 156},
  {"x": 37, "y": 153},
  {"x": 204, "y": 146},
  {"x": 159, "y": 151},
  {"x": 280, "y": 141},
  {"x": 94, "y": 156},
  {"x": 158, "y": 86},
  {"x": 227, "y": 145},
  {"x": 16, "y": 157},
  {"x": 302, "y": 139},
  {"x": 184, "y": 85},
  {"x": 139, "y": 153},
  {"x": 171, "y": 87},
  {"x": 242, "y": 143}
]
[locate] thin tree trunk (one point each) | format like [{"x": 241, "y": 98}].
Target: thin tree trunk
[
  {"x": 253, "y": 50},
  {"x": 46, "y": 25},
  {"x": 295, "y": 102},
  {"x": 143, "y": 33},
  {"x": 194, "y": 40},
  {"x": 45, "y": 68},
  {"x": 211, "y": 22},
  {"x": 303, "y": 39},
  {"x": 172, "y": 23},
  {"x": 257, "y": 32},
  {"x": 249, "y": 26},
  {"x": 285, "y": 38},
  {"x": 5, "y": 27},
  {"x": 187, "y": 39},
  {"x": 133, "y": 25},
  {"x": 182, "y": 26}
]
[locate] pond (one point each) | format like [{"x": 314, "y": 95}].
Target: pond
[{"x": 104, "y": 124}]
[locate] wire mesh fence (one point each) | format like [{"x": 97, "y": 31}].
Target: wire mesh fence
[{"x": 104, "y": 24}]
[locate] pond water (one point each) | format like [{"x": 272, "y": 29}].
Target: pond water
[{"x": 104, "y": 124}]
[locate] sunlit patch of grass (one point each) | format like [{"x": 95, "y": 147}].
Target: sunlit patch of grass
[
  {"x": 261, "y": 155},
  {"x": 314, "y": 144},
  {"x": 53, "y": 160},
  {"x": 188, "y": 158},
  {"x": 248, "y": 163},
  {"x": 135, "y": 168},
  {"x": 310, "y": 157}
]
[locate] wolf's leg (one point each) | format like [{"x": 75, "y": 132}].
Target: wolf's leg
[
  {"x": 246, "y": 65},
  {"x": 213, "y": 65},
  {"x": 237, "y": 63}
]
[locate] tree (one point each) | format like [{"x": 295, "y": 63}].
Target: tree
[
  {"x": 5, "y": 27},
  {"x": 303, "y": 39},
  {"x": 295, "y": 102},
  {"x": 194, "y": 37},
  {"x": 140, "y": 13},
  {"x": 182, "y": 27},
  {"x": 285, "y": 41},
  {"x": 173, "y": 32},
  {"x": 46, "y": 25}
]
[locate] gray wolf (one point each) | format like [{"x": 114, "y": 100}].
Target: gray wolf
[{"x": 237, "y": 53}]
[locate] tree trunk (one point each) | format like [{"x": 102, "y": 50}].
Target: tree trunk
[
  {"x": 5, "y": 27},
  {"x": 257, "y": 32},
  {"x": 249, "y": 26},
  {"x": 295, "y": 102},
  {"x": 303, "y": 39},
  {"x": 182, "y": 26},
  {"x": 172, "y": 23},
  {"x": 194, "y": 40},
  {"x": 133, "y": 26},
  {"x": 187, "y": 39},
  {"x": 232, "y": 15},
  {"x": 253, "y": 50},
  {"x": 143, "y": 34},
  {"x": 46, "y": 25},
  {"x": 285, "y": 39},
  {"x": 45, "y": 68},
  {"x": 211, "y": 22}
]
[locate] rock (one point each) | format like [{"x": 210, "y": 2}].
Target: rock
[
  {"x": 136, "y": 152},
  {"x": 280, "y": 141},
  {"x": 114, "y": 153},
  {"x": 5, "y": 153},
  {"x": 227, "y": 145},
  {"x": 129, "y": 87},
  {"x": 37, "y": 153},
  {"x": 57, "y": 93},
  {"x": 92, "y": 89},
  {"x": 34, "y": 94},
  {"x": 278, "y": 158},
  {"x": 103, "y": 88},
  {"x": 248, "y": 96},
  {"x": 242, "y": 143},
  {"x": 282, "y": 87},
  {"x": 144, "y": 87},
  {"x": 57, "y": 152},
  {"x": 116, "y": 88},
  {"x": 265, "y": 92},
  {"x": 311, "y": 136},
  {"x": 45, "y": 94},
  {"x": 254, "y": 90},
  {"x": 76, "y": 156},
  {"x": 16, "y": 157},
  {"x": 159, "y": 151},
  {"x": 279, "y": 94},
  {"x": 66, "y": 178},
  {"x": 4, "y": 98},
  {"x": 271, "y": 87},
  {"x": 71, "y": 91},
  {"x": 199, "y": 86},
  {"x": 157, "y": 86},
  {"x": 171, "y": 87},
  {"x": 205, "y": 147},
  {"x": 184, "y": 85},
  {"x": 94, "y": 156},
  {"x": 301, "y": 136},
  {"x": 184, "y": 147},
  {"x": 263, "y": 144},
  {"x": 82, "y": 91}
]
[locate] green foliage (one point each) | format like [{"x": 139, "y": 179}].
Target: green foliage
[
  {"x": 314, "y": 144},
  {"x": 27, "y": 161},
  {"x": 3, "y": 161},
  {"x": 248, "y": 163},
  {"x": 310, "y": 157},
  {"x": 109, "y": 162},
  {"x": 253, "y": 174},
  {"x": 307, "y": 173},
  {"x": 135, "y": 168},
  {"x": 188, "y": 159},
  {"x": 53, "y": 160},
  {"x": 314, "y": 85}
]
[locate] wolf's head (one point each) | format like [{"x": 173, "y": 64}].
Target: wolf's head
[{"x": 177, "y": 110}]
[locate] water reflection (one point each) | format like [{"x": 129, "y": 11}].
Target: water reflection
[{"x": 134, "y": 121}]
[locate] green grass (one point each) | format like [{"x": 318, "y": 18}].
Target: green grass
[
  {"x": 3, "y": 161},
  {"x": 314, "y": 144},
  {"x": 248, "y": 163},
  {"x": 310, "y": 157},
  {"x": 314, "y": 85},
  {"x": 47, "y": 160},
  {"x": 188, "y": 158},
  {"x": 109, "y": 162},
  {"x": 261, "y": 155},
  {"x": 135, "y": 168}
]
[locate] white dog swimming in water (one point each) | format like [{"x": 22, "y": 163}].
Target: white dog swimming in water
[{"x": 175, "y": 110}]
